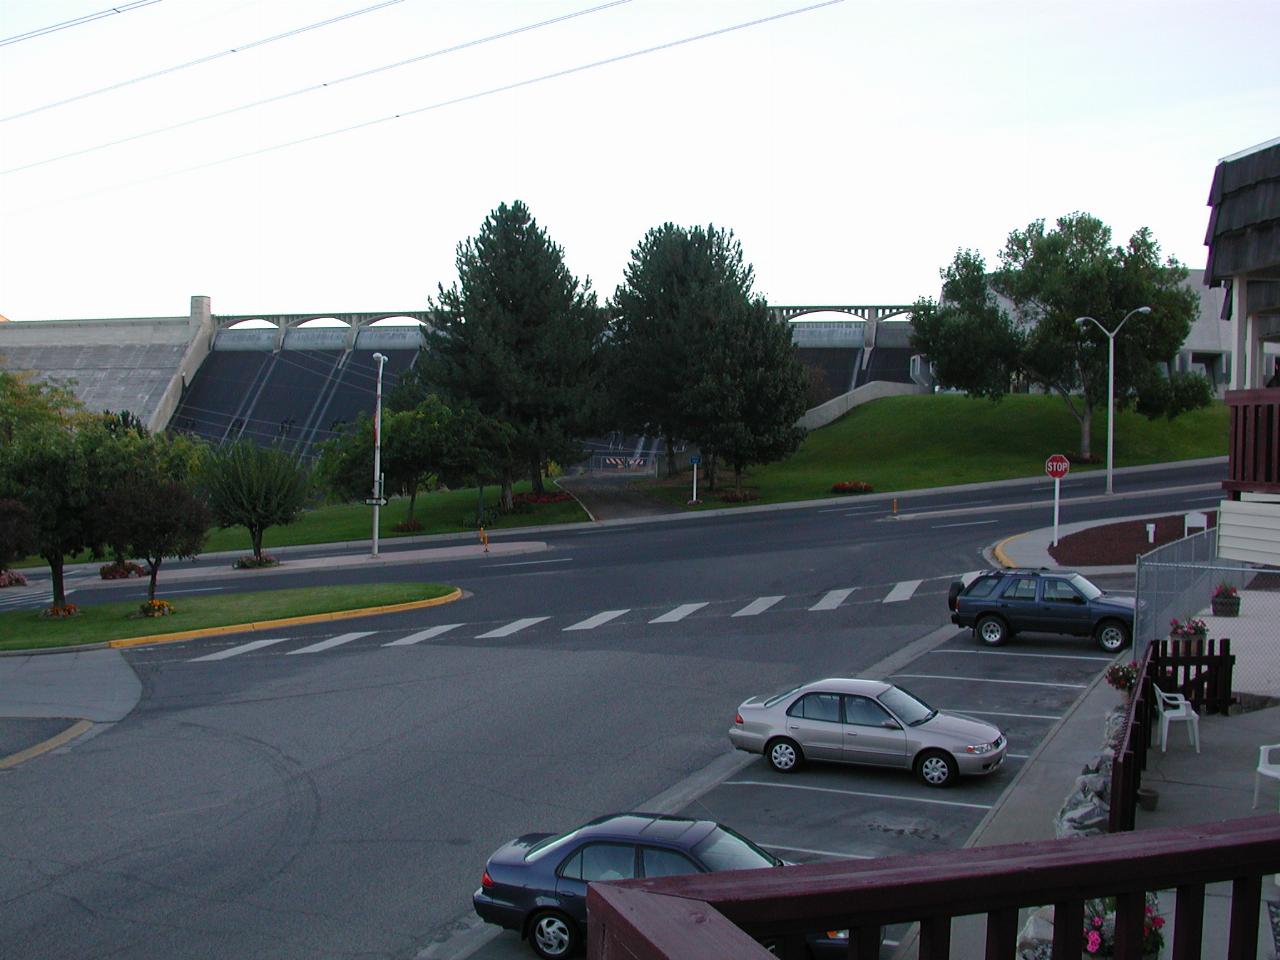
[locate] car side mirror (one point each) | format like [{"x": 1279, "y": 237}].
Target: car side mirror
[{"x": 891, "y": 725}]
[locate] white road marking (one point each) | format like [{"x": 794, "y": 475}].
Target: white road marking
[
  {"x": 194, "y": 590},
  {"x": 1024, "y": 683},
  {"x": 329, "y": 644},
  {"x": 236, "y": 651},
  {"x": 513, "y": 627},
  {"x": 530, "y": 563},
  {"x": 855, "y": 793},
  {"x": 902, "y": 591},
  {"x": 993, "y": 713},
  {"x": 757, "y": 606},
  {"x": 679, "y": 613},
  {"x": 832, "y": 599},
  {"x": 423, "y": 635},
  {"x": 600, "y": 618},
  {"x": 820, "y": 853},
  {"x": 1004, "y": 653},
  {"x": 972, "y": 575},
  {"x": 971, "y": 523}
]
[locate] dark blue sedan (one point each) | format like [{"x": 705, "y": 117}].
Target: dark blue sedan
[{"x": 537, "y": 883}]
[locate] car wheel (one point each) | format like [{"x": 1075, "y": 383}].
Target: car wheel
[
  {"x": 553, "y": 936},
  {"x": 1112, "y": 636},
  {"x": 784, "y": 755},
  {"x": 937, "y": 769},
  {"x": 991, "y": 630}
]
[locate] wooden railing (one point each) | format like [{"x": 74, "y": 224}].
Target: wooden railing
[
  {"x": 726, "y": 915},
  {"x": 1199, "y": 669},
  {"x": 1254, "y": 445},
  {"x": 1131, "y": 752}
]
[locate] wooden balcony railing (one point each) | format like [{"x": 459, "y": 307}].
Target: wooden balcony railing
[
  {"x": 726, "y": 915},
  {"x": 1254, "y": 447}
]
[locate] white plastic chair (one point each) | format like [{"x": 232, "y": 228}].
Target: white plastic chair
[
  {"x": 1174, "y": 707},
  {"x": 1267, "y": 767}
]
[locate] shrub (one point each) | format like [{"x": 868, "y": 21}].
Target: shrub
[
  {"x": 255, "y": 563},
  {"x": 12, "y": 578},
  {"x": 120, "y": 570},
  {"x": 155, "y": 608},
  {"x": 851, "y": 486}
]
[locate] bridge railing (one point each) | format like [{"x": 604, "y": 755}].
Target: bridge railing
[{"x": 729, "y": 915}]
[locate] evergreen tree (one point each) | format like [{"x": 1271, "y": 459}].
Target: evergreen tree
[{"x": 518, "y": 338}]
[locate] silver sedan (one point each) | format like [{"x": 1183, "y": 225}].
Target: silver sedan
[{"x": 868, "y": 722}]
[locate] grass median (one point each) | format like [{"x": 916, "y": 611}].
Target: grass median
[{"x": 27, "y": 630}]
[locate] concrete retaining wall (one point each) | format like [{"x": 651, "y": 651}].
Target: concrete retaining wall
[{"x": 837, "y": 407}]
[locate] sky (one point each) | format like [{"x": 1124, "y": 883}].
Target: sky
[{"x": 852, "y": 147}]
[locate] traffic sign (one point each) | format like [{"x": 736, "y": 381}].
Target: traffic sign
[
  {"x": 1057, "y": 466},
  {"x": 375, "y": 501},
  {"x": 695, "y": 459}
]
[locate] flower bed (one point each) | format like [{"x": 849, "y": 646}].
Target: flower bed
[
  {"x": 12, "y": 578},
  {"x": 155, "y": 608},
  {"x": 120, "y": 570},
  {"x": 254, "y": 563},
  {"x": 59, "y": 613},
  {"x": 851, "y": 486},
  {"x": 532, "y": 498}
]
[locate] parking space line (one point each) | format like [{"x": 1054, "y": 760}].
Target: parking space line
[
  {"x": 856, "y": 793},
  {"x": 512, "y": 627},
  {"x": 1002, "y": 653},
  {"x": 679, "y": 613},
  {"x": 820, "y": 853},
  {"x": 993, "y": 713},
  {"x": 902, "y": 591},
  {"x": 600, "y": 618},
  {"x": 1025, "y": 683},
  {"x": 832, "y": 599},
  {"x": 756, "y": 606},
  {"x": 423, "y": 635}
]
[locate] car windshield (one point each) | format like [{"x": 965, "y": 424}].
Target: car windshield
[
  {"x": 551, "y": 844},
  {"x": 723, "y": 849},
  {"x": 907, "y": 707},
  {"x": 1087, "y": 589}
]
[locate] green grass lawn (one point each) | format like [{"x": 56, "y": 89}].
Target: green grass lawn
[
  {"x": 26, "y": 629},
  {"x": 909, "y": 443}
]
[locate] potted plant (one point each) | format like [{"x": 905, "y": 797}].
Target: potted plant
[
  {"x": 1100, "y": 927},
  {"x": 1226, "y": 600},
  {"x": 1192, "y": 628},
  {"x": 1124, "y": 677}
]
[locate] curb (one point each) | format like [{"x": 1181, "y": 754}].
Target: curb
[
  {"x": 22, "y": 756},
  {"x": 997, "y": 551},
  {"x": 352, "y": 614}
]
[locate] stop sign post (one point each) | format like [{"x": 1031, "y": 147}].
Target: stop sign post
[{"x": 1057, "y": 466}]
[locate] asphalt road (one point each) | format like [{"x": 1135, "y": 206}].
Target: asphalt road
[{"x": 335, "y": 793}]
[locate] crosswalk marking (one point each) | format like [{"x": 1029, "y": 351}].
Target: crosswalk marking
[
  {"x": 679, "y": 613},
  {"x": 513, "y": 627},
  {"x": 329, "y": 644},
  {"x": 903, "y": 591},
  {"x": 832, "y": 599},
  {"x": 242, "y": 648},
  {"x": 757, "y": 606},
  {"x": 423, "y": 635},
  {"x": 600, "y": 618}
]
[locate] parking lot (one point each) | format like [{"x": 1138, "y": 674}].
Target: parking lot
[{"x": 834, "y": 811}]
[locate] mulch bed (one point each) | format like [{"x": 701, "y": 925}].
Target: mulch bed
[{"x": 1115, "y": 544}]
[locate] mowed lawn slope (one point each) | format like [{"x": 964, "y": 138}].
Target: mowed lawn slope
[{"x": 907, "y": 443}]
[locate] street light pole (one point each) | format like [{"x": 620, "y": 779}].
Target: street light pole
[
  {"x": 377, "y": 451},
  {"x": 1111, "y": 384}
]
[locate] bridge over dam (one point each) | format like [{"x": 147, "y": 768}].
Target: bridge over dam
[{"x": 298, "y": 378}]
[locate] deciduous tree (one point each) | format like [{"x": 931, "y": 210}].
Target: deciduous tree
[{"x": 256, "y": 487}]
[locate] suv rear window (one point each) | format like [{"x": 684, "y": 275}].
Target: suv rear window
[{"x": 982, "y": 587}]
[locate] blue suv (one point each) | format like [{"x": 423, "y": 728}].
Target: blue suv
[{"x": 1001, "y": 603}]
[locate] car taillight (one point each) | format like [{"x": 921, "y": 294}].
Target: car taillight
[
  {"x": 486, "y": 881},
  {"x": 737, "y": 718}
]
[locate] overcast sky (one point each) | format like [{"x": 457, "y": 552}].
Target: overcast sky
[{"x": 852, "y": 147}]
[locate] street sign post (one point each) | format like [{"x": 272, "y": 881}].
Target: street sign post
[
  {"x": 1057, "y": 466},
  {"x": 694, "y": 461}
]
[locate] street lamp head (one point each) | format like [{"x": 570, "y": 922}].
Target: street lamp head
[{"x": 1143, "y": 310}]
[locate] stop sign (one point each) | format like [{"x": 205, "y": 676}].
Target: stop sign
[{"x": 1057, "y": 466}]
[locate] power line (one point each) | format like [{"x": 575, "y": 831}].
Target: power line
[
  {"x": 87, "y": 18},
  {"x": 471, "y": 96},
  {"x": 313, "y": 88},
  {"x": 238, "y": 48}
]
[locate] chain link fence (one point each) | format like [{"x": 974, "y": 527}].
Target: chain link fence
[{"x": 1178, "y": 581}]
